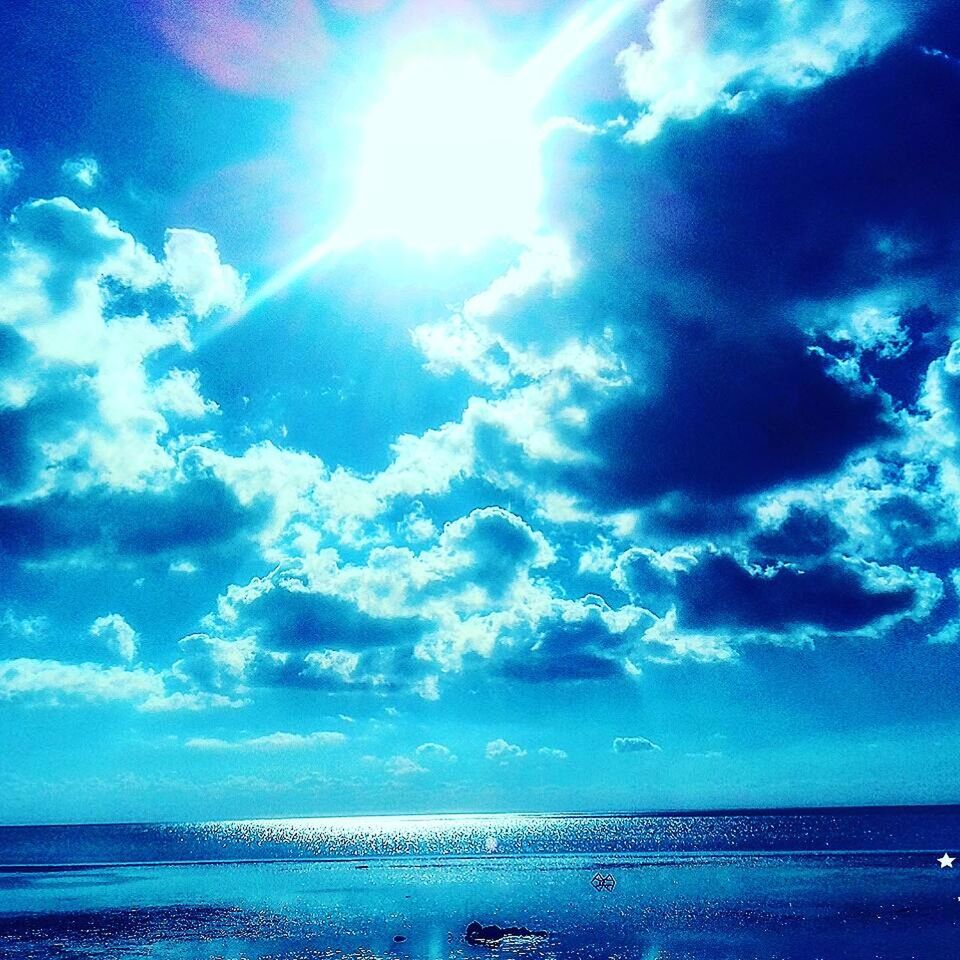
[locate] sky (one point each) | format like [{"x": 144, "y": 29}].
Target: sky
[{"x": 417, "y": 406}]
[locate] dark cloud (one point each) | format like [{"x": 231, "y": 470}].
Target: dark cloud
[
  {"x": 567, "y": 651},
  {"x": 728, "y": 416},
  {"x": 804, "y": 532},
  {"x": 201, "y": 512},
  {"x": 295, "y": 620},
  {"x": 716, "y": 253},
  {"x": 720, "y": 593},
  {"x": 56, "y": 405},
  {"x": 749, "y": 211}
]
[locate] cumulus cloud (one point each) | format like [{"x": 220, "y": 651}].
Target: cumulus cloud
[
  {"x": 197, "y": 275},
  {"x": 93, "y": 310},
  {"x": 436, "y": 751},
  {"x": 119, "y": 636},
  {"x": 709, "y": 433},
  {"x": 400, "y": 766},
  {"x": 552, "y": 753},
  {"x": 701, "y": 54},
  {"x": 82, "y": 171},
  {"x": 503, "y": 751},
  {"x": 269, "y": 742},
  {"x": 634, "y": 745}
]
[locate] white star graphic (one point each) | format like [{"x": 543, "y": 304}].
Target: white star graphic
[{"x": 946, "y": 861}]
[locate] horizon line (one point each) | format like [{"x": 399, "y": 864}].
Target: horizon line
[{"x": 666, "y": 812}]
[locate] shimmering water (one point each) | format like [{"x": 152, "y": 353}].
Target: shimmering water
[{"x": 854, "y": 884}]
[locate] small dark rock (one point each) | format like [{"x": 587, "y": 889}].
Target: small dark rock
[{"x": 492, "y": 933}]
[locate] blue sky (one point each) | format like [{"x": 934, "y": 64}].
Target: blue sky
[{"x": 606, "y": 458}]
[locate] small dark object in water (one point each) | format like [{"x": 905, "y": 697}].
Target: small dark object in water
[
  {"x": 399, "y": 938},
  {"x": 492, "y": 933}
]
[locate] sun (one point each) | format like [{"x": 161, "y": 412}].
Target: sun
[{"x": 450, "y": 159}]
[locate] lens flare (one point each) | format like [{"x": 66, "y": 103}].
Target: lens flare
[{"x": 451, "y": 154}]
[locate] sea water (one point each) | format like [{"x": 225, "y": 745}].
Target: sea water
[{"x": 792, "y": 885}]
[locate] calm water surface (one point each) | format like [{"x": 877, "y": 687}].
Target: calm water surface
[{"x": 848, "y": 885}]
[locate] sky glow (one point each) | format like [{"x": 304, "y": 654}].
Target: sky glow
[{"x": 451, "y": 153}]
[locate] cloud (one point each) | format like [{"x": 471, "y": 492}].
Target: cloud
[
  {"x": 634, "y": 745},
  {"x": 836, "y": 596},
  {"x": 702, "y": 54},
  {"x": 196, "y": 512},
  {"x": 291, "y": 617},
  {"x": 10, "y": 167},
  {"x": 428, "y": 688},
  {"x": 82, "y": 171},
  {"x": 436, "y": 751},
  {"x": 802, "y": 532},
  {"x": 503, "y": 751},
  {"x": 51, "y": 681},
  {"x": 704, "y": 431},
  {"x": 270, "y": 742},
  {"x": 183, "y": 566},
  {"x": 197, "y": 275},
  {"x": 403, "y": 767},
  {"x": 194, "y": 702},
  {"x": 551, "y": 753},
  {"x": 578, "y": 643},
  {"x": 118, "y": 635},
  {"x": 342, "y": 664},
  {"x": 93, "y": 400}
]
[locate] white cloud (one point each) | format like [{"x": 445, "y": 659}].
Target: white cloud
[
  {"x": 85, "y": 310},
  {"x": 23, "y": 628},
  {"x": 552, "y": 753},
  {"x": 10, "y": 167},
  {"x": 678, "y": 644},
  {"x": 52, "y": 680},
  {"x": 546, "y": 262},
  {"x": 196, "y": 274},
  {"x": 118, "y": 635},
  {"x": 403, "y": 767},
  {"x": 270, "y": 742},
  {"x": 436, "y": 751},
  {"x": 179, "y": 393},
  {"x": 700, "y": 54},
  {"x": 183, "y": 566},
  {"x": 634, "y": 745},
  {"x": 82, "y": 171},
  {"x": 339, "y": 663},
  {"x": 428, "y": 688},
  {"x": 501, "y": 750},
  {"x": 193, "y": 702}
]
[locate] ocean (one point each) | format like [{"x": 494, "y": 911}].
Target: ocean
[{"x": 839, "y": 884}]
